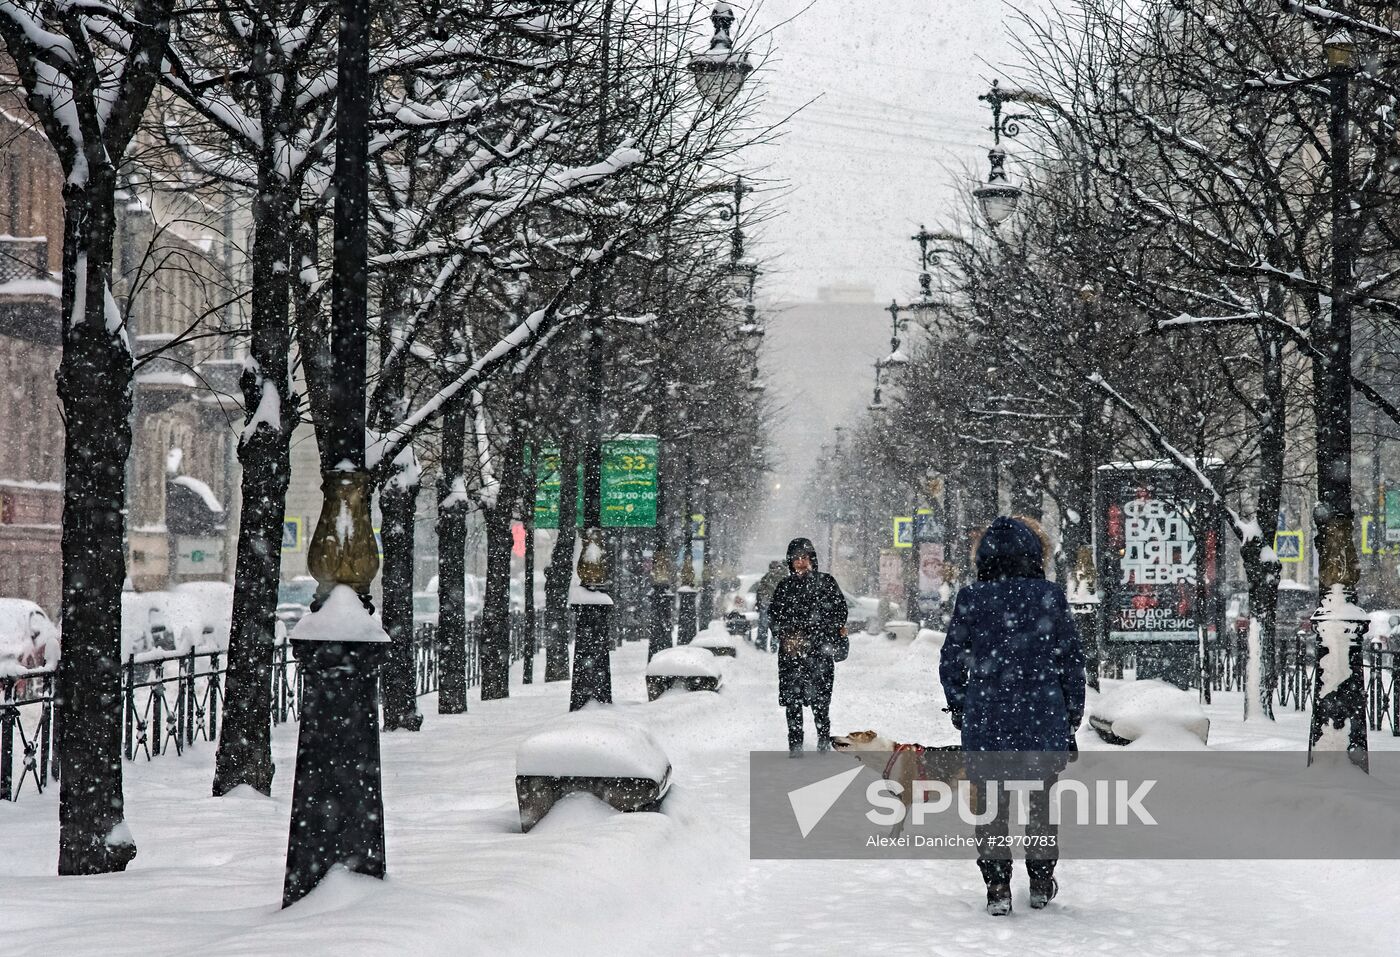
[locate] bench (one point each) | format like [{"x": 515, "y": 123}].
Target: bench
[
  {"x": 1150, "y": 711},
  {"x": 686, "y": 667},
  {"x": 618, "y": 763},
  {"x": 721, "y": 646}
]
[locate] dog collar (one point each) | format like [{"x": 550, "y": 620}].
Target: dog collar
[{"x": 895, "y": 754}]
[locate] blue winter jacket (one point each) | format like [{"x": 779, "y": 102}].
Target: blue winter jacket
[{"x": 1012, "y": 664}]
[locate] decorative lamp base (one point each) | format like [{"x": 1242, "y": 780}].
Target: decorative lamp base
[{"x": 337, "y": 801}]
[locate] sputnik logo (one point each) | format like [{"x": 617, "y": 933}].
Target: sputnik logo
[{"x": 811, "y": 802}]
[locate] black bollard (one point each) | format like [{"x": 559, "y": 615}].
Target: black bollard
[
  {"x": 592, "y": 655},
  {"x": 686, "y": 625},
  {"x": 337, "y": 799}
]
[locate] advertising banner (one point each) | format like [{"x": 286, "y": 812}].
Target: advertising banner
[
  {"x": 931, "y": 559},
  {"x": 628, "y": 485},
  {"x": 1150, "y": 562},
  {"x": 891, "y": 573}
]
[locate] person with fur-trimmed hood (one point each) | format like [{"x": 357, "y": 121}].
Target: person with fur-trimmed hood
[
  {"x": 1012, "y": 670},
  {"x": 808, "y": 618}
]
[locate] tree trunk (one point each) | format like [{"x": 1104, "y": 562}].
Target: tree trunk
[
  {"x": 495, "y": 616},
  {"x": 398, "y": 504},
  {"x": 94, "y": 384},
  {"x": 663, "y": 596},
  {"x": 1026, "y": 495},
  {"x": 561, "y": 569},
  {"x": 244, "y": 754},
  {"x": 452, "y": 565},
  {"x": 1263, "y": 577},
  {"x": 494, "y": 647}
]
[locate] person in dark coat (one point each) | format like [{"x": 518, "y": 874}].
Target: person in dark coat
[
  {"x": 763, "y": 598},
  {"x": 1012, "y": 670},
  {"x": 808, "y": 618}
]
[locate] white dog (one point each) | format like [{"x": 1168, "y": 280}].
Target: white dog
[{"x": 894, "y": 761}]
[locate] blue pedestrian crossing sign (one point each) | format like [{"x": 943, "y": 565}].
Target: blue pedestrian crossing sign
[
  {"x": 904, "y": 531},
  {"x": 1288, "y": 546}
]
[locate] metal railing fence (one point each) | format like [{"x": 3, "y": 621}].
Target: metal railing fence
[{"x": 171, "y": 701}]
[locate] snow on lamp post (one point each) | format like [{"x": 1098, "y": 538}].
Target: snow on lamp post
[
  {"x": 1339, "y": 699},
  {"x": 719, "y": 72},
  {"x": 337, "y": 802}
]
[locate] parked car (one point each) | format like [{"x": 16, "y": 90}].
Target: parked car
[
  {"x": 425, "y": 602},
  {"x": 297, "y": 591},
  {"x": 425, "y": 607},
  {"x": 291, "y": 612},
  {"x": 1383, "y": 631},
  {"x": 192, "y": 615},
  {"x": 862, "y": 611},
  {"x": 28, "y": 640},
  {"x": 1293, "y": 618},
  {"x": 1296, "y": 604}
]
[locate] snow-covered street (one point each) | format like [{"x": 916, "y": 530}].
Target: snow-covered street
[{"x": 587, "y": 880}]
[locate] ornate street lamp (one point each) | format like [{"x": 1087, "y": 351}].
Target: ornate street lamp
[
  {"x": 999, "y": 197},
  {"x": 337, "y": 804},
  {"x": 1339, "y": 695},
  {"x": 719, "y": 72},
  {"x": 876, "y": 406},
  {"x": 896, "y": 358},
  {"x": 1339, "y": 49}
]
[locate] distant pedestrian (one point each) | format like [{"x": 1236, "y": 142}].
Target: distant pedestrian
[
  {"x": 763, "y": 597},
  {"x": 808, "y": 617},
  {"x": 1012, "y": 670},
  {"x": 736, "y": 621}
]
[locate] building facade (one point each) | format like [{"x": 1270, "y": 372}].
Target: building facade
[
  {"x": 173, "y": 280},
  {"x": 31, "y": 428}
]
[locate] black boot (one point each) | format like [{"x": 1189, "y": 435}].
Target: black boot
[
  {"x": 794, "y": 730},
  {"x": 998, "y": 899},
  {"x": 1043, "y": 892}
]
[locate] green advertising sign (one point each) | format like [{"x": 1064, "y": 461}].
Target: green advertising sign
[
  {"x": 547, "y": 483},
  {"x": 629, "y": 484},
  {"x": 1392, "y": 516}
]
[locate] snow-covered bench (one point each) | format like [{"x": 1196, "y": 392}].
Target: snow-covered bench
[
  {"x": 1151, "y": 712},
  {"x": 620, "y": 764},
  {"x": 900, "y": 630},
  {"x": 717, "y": 644},
  {"x": 688, "y": 667}
]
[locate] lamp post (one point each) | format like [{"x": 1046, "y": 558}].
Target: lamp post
[
  {"x": 686, "y": 625},
  {"x": 592, "y": 603},
  {"x": 1339, "y": 700},
  {"x": 1077, "y": 535},
  {"x": 708, "y": 558},
  {"x": 998, "y": 198},
  {"x": 719, "y": 72},
  {"x": 337, "y": 804}
]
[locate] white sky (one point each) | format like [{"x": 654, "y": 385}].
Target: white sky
[
  {"x": 886, "y": 145},
  {"x": 896, "y": 137}
]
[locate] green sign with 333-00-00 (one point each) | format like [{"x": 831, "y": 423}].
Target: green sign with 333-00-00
[{"x": 629, "y": 484}]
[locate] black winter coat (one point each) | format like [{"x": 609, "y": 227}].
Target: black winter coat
[
  {"x": 1012, "y": 664},
  {"x": 810, "y": 607}
]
